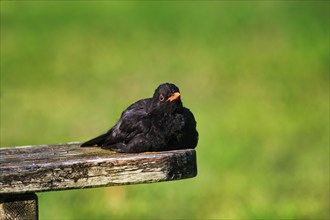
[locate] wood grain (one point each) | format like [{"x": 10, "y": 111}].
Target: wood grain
[
  {"x": 68, "y": 166},
  {"x": 19, "y": 206}
]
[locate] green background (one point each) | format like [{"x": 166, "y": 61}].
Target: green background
[{"x": 255, "y": 75}]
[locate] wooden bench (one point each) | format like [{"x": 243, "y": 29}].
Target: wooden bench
[{"x": 30, "y": 169}]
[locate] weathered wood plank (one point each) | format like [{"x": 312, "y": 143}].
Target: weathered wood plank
[{"x": 68, "y": 166}]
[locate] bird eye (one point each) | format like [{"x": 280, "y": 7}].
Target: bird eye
[{"x": 161, "y": 98}]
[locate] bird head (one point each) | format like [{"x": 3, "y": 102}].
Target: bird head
[{"x": 166, "y": 98}]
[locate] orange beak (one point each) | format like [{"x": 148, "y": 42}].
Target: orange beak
[{"x": 173, "y": 97}]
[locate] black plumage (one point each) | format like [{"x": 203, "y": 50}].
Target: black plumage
[{"x": 153, "y": 124}]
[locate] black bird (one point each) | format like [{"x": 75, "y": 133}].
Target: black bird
[{"x": 159, "y": 123}]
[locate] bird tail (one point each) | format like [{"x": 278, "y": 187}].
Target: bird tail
[{"x": 95, "y": 141}]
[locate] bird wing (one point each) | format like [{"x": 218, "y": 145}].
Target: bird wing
[
  {"x": 129, "y": 125},
  {"x": 190, "y": 132}
]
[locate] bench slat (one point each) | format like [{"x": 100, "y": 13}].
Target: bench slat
[{"x": 68, "y": 166}]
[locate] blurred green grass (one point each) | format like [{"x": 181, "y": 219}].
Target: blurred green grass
[{"x": 255, "y": 74}]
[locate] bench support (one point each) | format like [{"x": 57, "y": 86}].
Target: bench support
[{"x": 19, "y": 206}]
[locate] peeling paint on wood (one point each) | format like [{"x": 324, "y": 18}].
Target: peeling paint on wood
[{"x": 68, "y": 166}]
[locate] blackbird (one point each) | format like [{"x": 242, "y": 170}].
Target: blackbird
[{"x": 159, "y": 123}]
